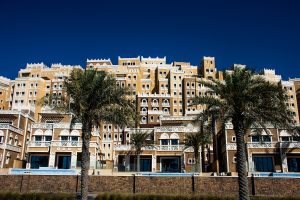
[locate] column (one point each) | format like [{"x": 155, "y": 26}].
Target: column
[
  {"x": 51, "y": 159},
  {"x": 284, "y": 164},
  {"x": 73, "y": 160},
  {"x": 127, "y": 163},
  {"x": 93, "y": 161},
  {"x": 153, "y": 163}
]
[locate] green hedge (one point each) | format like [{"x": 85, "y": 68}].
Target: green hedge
[
  {"x": 35, "y": 196},
  {"x": 108, "y": 196}
]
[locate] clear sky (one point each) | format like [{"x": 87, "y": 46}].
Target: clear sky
[{"x": 258, "y": 33}]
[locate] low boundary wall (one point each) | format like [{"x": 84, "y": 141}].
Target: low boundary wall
[{"x": 261, "y": 186}]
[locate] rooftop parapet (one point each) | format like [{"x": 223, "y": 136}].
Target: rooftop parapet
[
  {"x": 156, "y": 60},
  {"x": 35, "y": 65},
  {"x": 4, "y": 80},
  {"x": 208, "y": 58}
]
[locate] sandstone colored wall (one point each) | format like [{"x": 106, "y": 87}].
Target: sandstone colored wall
[{"x": 151, "y": 185}]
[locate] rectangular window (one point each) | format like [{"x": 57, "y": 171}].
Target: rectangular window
[
  {"x": 48, "y": 138},
  {"x": 74, "y": 138},
  {"x": 285, "y": 139},
  {"x": 38, "y": 138},
  {"x": 266, "y": 138},
  {"x": 164, "y": 142},
  {"x": 64, "y": 138},
  {"x": 263, "y": 164},
  {"x": 293, "y": 164},
  {"x": 174, "y": 142}
]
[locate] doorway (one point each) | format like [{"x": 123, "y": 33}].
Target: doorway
[
  {"x": 63, "y": 161},
  {"x": 170, "y": 164}
]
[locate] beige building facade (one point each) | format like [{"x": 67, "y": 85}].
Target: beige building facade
[{"x": 164, "y": 95}]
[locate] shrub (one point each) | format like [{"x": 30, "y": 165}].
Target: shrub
[{"x": 35, "y": 196}]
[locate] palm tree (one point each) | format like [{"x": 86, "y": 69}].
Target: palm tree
[
  {"x": 94, "y": 98},
  {"x": 138, "y": 141},
  {"x": 247, "y": 101},
  {"x": 199, "y": 139}
]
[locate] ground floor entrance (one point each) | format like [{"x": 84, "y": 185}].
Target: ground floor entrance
[
  {"x": 293, "y": 162},
  {"x": 63, "y": 161},
  {"x": 38, "y": 160},
  {"x": 170, "y": 164},
  {"x": 263, "y": 163},
  {"x": 129, "y": 163}
]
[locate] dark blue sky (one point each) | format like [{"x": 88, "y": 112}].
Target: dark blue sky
[{"x": 259, "y": 33}]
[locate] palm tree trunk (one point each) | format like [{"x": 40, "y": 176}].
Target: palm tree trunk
[
  {"x": 197, "y": 159},
  {"x": 203, "y": 158},
  {"x": 85, "y": 162},
  {"x": 138, "y": 158},
  {"x": 241, "y": 161}
]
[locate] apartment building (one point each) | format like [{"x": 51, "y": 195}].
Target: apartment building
[
  {"x": 274, "y": 151},
  {"x": 5, "y": 93},
  {"x": 14, "y": 133},
  {"x": 163, "y": 93},
  {"x": 57, "y": 144}
]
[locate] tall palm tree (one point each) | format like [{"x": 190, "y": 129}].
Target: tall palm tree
[
  {"x": 247, "y": 101},
  {"x": 138, "y": 141},
  {"x": 94, "y": 98},
  {"x": 199, "y": 139}
]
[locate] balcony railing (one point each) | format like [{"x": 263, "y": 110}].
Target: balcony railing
[
  {"x": 42, "y": 126},
  {"x": 156, "y": 147},
  {"x": 165, "y": 104},
  {"x": 291, "y": 145},
  {"x": 170, "y": 147},
  {"x": 263, "y": 145},
  {"x": 11, "y": 128},
  {"x": 285, "y": 145},
  {"x": 39, "y": 144},
  {"x": 10, "y": 147},
  {"x": 65, "y": 143}
]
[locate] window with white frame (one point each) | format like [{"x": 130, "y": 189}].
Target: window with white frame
[
  {"x": 233, "y": 139},
  {"x": 191, "y": 161}
]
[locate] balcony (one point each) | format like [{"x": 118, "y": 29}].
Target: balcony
[
  {"x": 155, "y": 112},
  {"x": 39, "y": 144},
  {"x": 10, "y": 147},
  {"x": 170, "y": 147},
  {"x": 156, "y": 148},
  {"x": 166, "y": 104},
  {"x": 255, "y": 145},
  {"x": 193, "y": 112},
  {"x": 42, "y": 126},
  {"x": 264, "y": 145},
  {"x": 62, "y": 143},
  {"x": 290, "y": 145},
  {"x": 11, "y": 128}
]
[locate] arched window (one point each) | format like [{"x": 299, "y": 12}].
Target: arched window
[
  {"x": 144, "y": 101},
  {"x": 174, "y": 139},
  {"x": 166, "y": 110},
  {"x": 144, "y": 110},
  {"x": 164, "y": 139},
  {"x": 144, "y": 119}
]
